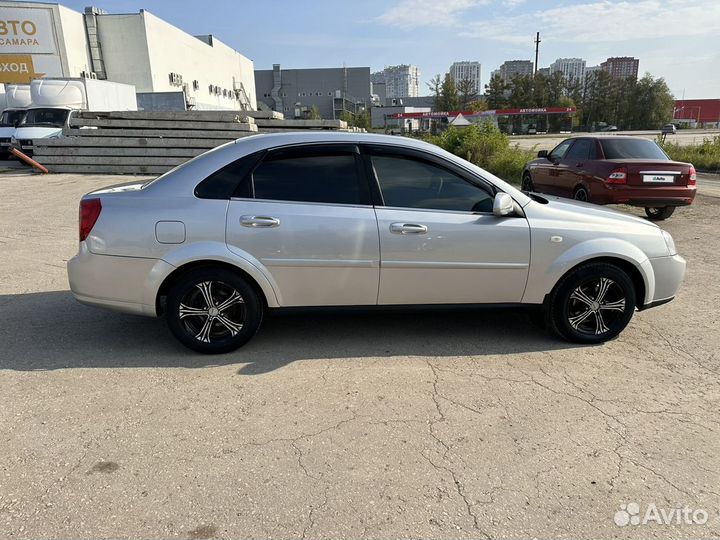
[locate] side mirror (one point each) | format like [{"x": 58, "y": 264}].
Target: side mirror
[
  {"x": 543, "y": 154},
  {"x": 503, "y": 205}
]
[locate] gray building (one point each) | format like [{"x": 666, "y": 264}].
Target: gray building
[
  {"x": 294, "y": 92},
  {"x": 515, "y": 67}
]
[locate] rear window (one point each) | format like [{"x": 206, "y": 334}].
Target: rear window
[{"x": 631, "y": 149}]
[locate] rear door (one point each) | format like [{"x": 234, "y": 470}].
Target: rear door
[
  {"x": 439, "y": 240},
  {"x": 577, "y": 163},
  {"x": 304, "y": 213}
]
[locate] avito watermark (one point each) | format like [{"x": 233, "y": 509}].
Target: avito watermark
[{"x": 631, "y": 514}]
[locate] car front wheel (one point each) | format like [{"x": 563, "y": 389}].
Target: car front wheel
[
  {"x": 592, "y": 304},
  {"x": 213, "y": 310},
  {"x": 659, "y": 213}
]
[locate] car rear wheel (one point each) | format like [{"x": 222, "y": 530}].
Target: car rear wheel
[
  {"x": 213, "y": 310},
  {"x": 592, "y": 304},
  {"x": 581, "y": 194},
  {"x": 659, "y": 213},
  {"x": 527, "y": 183}
]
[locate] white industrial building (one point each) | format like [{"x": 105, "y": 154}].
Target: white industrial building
[
  {"x": 467, "y": 70},
  {"x": 169, "y": 68}
]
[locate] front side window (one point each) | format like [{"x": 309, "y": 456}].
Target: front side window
[
  {"x": 560, "y": 150},
  {"x": 411, "y": 183},
  {"x": 11, "y": 118},
  {"x": 330, "y": 178}
]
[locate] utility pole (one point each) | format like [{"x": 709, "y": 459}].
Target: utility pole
[{"x": 537, "y": 49}]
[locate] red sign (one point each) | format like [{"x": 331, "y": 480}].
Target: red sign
[{"x": 497, "y": 112}]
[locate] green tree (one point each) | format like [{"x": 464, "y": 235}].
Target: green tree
[
  {"x": 435, "y": 86},
  {"x": 359, "y": 120},
  {"x": 314, "y": 113},
  {"x": 521, "y": 88},
  {"x": 450, "y": 99},
  {"x": 652, "y": 103},
  {"x": 495, "y": 93},
  {"x": 467, "y": 93}
]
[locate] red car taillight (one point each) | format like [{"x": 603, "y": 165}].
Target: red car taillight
[
  {"x": 692, "y": 178},
  {"x": 618, "y": 176},
  {"x": 89, "y": 213}
]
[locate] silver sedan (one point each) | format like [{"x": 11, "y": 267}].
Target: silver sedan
[{"x": 344, "y": 219}]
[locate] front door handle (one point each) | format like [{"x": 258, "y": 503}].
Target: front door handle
[
  {"x": 579, "y": 164},
  {"x": 408, "y": 228},
  {"x": 259, "y": 221}
]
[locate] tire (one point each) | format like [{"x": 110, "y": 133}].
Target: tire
[
  {"x": 581, "y": 194},
  {"x": 527, "y": 183},
  {"x": 202, "y": 324},
  {"x": 592, "y": 304},
  {"x": 659, "y": 213}
]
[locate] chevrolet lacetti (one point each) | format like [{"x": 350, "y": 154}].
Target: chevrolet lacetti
[{"x": 345, "y": 219}]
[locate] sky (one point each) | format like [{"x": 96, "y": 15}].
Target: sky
[{"x": 678, "y": 40}]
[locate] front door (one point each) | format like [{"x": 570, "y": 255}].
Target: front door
[
  {"x": 307, "y": 219},
  {"x": 551, "y": 172},
  {"x": 439, "y": 240}
]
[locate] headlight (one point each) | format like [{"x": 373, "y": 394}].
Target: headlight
[{"x": 669, "y": 242}]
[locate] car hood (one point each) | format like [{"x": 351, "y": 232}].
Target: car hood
[
  {"x": 37, "y": 132},
  {"x": 582, "y": 212}
]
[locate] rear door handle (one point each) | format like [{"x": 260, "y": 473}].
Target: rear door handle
[
  {"x": 259, "y": 221},
  {"x": 579, "y": 164},
  {"x": 408, "y": 228}
]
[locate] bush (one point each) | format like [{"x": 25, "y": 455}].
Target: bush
[
  {"x": 705, "y": 156},
  {"x": 485, "y": 146}
]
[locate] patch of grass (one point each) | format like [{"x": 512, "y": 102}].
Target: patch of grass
[
  {"x": 487, "y": 147},
  {"x": 704, "y": 156}
]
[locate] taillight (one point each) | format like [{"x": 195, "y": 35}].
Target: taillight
[
  {"x": 618, "y": 176},
  {"x": 89, "y": 213},
  {"x": 692, "y": 178}
]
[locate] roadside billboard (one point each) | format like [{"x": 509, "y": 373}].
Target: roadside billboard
[{"x": 28, "y": 45}]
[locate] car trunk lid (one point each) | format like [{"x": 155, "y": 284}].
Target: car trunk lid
[{"x": 654, "y": 172}]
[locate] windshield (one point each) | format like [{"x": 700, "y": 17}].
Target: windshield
[
  {"x": 631, "y": 149},
  {"x": 46, "y": 117},
  {"x": 11, "y": 118}
]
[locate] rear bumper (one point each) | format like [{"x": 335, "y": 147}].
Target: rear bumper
[
  {"x": 646, "y": 196},
  {"x": 669, "y": 273},
  {"x": 126, "y": 284}
]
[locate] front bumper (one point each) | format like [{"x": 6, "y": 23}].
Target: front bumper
[
  {"x": 126, "y": 284},
  {"x": 669, "y": 272}
]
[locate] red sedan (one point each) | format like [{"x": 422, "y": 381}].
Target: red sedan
[{"x": 613, "y": 170}]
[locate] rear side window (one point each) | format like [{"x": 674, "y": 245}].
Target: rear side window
[
  {"x": 329, "y": 177},
  {"x": 230, "y": 181},
  {"x": 582, "y": 150},
  {"x": 631, "y": 149}
]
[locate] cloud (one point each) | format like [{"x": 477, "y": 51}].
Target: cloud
[
  {"x": 417, "y": 13},
  {"x": 604, "y": 21}
]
